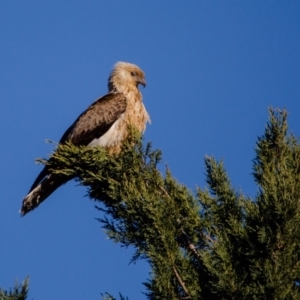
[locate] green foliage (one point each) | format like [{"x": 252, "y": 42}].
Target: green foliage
[
  {"x": 19, "y": 292},
  {"x": 107, "y": 296},
  {"x": 218, "y": 244}
]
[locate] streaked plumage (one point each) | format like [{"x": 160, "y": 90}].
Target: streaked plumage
[{"x": 104, "y": 124}]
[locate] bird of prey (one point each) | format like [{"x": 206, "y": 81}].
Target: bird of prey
[{"x": 104, "y": 123}]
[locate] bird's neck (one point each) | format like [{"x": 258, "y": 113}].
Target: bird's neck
[{"x": 122, "y": 88}]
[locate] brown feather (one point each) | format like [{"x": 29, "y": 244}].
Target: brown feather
[
  {"x": 96, "y": 120},
  {"x": 104, "y": 123},
  {"x": 49, "y": 184}
]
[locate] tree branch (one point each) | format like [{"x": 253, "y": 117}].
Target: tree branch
[{"x": 181, "y": 283}]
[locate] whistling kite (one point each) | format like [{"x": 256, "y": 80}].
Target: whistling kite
[{"x": 103, "y": 124}]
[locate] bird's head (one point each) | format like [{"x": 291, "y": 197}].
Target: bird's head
[{"x": 125, "y": 76}]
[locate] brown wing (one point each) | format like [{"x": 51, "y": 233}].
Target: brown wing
[
  {"x": 96, "y": 120},
  {"x": 91, "y": 124}
]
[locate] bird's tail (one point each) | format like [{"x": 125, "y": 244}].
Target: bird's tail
[{"x": 43, "y": 190}]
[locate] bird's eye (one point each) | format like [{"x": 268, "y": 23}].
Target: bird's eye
[{"x": 133, "y": 74}]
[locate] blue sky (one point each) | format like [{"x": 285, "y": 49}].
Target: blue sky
[{"x": 212, "y": 67}]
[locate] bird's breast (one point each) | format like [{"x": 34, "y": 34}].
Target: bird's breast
[{"x": 135, "y": 115}]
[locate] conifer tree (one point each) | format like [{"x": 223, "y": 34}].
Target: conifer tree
[
  {"x": 19, "y": 292},
  {"x": 215, "y": 244}
]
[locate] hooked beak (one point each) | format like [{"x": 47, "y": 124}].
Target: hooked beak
[{"x": 142, "y": 81}]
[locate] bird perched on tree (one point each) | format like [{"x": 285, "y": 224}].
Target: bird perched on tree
[{"x": 104, "y": 123}]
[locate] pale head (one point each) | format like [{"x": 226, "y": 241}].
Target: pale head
[{"x": 125, "y": 76}]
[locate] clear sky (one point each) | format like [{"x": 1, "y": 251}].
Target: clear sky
[{"x": 212, "y": 67}]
